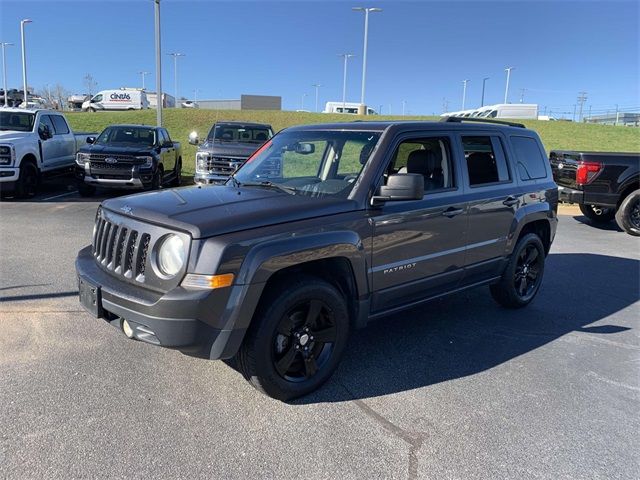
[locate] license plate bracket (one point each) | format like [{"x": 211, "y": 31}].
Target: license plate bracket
[{"x": 90, "y": 297}]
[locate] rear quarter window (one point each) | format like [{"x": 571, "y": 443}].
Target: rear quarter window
[
  {"x": 59, "y": 124},
  {"x": 531, "y": 161}
]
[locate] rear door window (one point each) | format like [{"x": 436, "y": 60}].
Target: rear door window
[
  {"x": 531, "y": 162},
  {"x": 60, "y": 125},
  {"x": 486, "y": 163}
]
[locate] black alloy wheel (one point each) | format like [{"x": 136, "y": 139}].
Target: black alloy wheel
[
  {"x": 527, "y": 278},
  {"x": 304, "y": 341},
  {"x": 27, "y": 186},
  {"x": 628, "y": 214}
]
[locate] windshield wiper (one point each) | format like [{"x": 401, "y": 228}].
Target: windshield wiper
[
  {"x": 268, "y": 184},
  {"x": 235, "y": 181}
]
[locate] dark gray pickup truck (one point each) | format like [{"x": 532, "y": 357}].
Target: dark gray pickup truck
[
  {"x": 323, "y": 229},
  {"x": 605, "y": 185}
]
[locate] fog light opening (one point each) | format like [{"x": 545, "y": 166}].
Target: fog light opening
[{"x": 126, "y": 328}]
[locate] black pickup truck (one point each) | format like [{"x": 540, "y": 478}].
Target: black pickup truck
[
  {"x": 128, "y": 157},
  {"x": 604, "y": 185},
  {"x": 323, "y": 229}
]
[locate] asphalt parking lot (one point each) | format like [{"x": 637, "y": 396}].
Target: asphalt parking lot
[{"x": 458, "y": 389}]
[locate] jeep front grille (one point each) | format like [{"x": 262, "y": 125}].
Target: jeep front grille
[{"x": 121, "y": 250}]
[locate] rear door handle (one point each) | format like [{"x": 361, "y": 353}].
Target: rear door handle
[
  {"x": 510, "y": 201},
  {"x": 452, "y": 212}
]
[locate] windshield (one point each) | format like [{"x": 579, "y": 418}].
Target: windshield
[
  {"x": 17, "y": 121},
  {"x": 239, "y": 133},
  {"x": 311, "y": 163},
  {"x": 135, "y": 136}
]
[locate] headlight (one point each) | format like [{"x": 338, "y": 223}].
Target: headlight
[
  {"x": 6, "y": 155},
  {"x": 202, "y": 162},
  {"x": 81, "y": 158},
  {"x": 171, "y": 255},
  {"x": 148, "y": 161}
]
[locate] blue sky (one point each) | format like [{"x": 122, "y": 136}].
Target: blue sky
[{"x": 419, "y": 51}]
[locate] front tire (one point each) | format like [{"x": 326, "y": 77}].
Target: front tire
[
  {"x": 156, "y": 181},
  {"x": 296, "y": 341},
  {"x": 27, "y": 185},
  {"x": 522, "y": 278},
  {"x": 628, "y": 215},
  {"x": 598, "y": 214},
  {"x": 178, "y": 174}
]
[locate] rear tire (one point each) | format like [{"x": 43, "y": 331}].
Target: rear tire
[
  {"x": 522, "y": 278},
  {"x": 91, "y": 109},
  {"x": 27, "y": 184},
  {"x": 597, "y": 214},
  {"x": 296, "y": 340},
  {"x": 628, "y": 214}
]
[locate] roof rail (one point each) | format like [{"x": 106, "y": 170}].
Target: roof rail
[{"x": 481, "y": 120}]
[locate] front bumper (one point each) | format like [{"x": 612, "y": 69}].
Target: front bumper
[
  {"x": 136, "y": 179},
  {"x": 9, "y": 174},
  {"x": 192, "y": 321}
]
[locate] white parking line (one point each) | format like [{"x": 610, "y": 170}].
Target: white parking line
[{"x": 61, "y": 195}]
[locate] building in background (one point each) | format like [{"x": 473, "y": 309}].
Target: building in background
[
  {"x": 246, "y": 102},
  {"x": 621, "y": 118}
]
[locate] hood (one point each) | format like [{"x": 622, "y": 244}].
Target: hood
[
  {"x": 13, "y": 136},
  {"x": 114, "y": 150},
  {"x": 230, "y": 149},
  {"x": 205, "y": 211}
]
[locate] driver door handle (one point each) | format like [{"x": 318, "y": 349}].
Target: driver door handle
[
  {"x": 510, "y": 201},
  {"x": 452, "y": 212}
]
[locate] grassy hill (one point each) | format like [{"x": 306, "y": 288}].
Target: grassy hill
[{"x": 180, "y": 122}]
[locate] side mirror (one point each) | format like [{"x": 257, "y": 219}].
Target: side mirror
[
  {"x": 400, "y": 187},
  {"x": 91, "y": 140},
  {"x": 305, "y": 148},
  {"x": 193, "y": 138},
  {"x": 45, "y": 132}
]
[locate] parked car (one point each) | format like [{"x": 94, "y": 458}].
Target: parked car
[
  {"x": 34, "y": 144},
  {"x": 226, "y": 148},
  {"x": 326, "y": 227},
  {"x": 605, "y": 185},
  {"x": 129, "y": 156},
  {"x": 189, "y": 104},
  {"x": 121, "y": 99},
  {"x": 346, "y": 107}
]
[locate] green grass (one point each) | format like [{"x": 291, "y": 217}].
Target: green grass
[{"x": 180, "y": 122}]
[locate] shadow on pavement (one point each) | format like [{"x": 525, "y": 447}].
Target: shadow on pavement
[
  {"x": 611, "y": 226},
  {"x": 465, "y": 334}
]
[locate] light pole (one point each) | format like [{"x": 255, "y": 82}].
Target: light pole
[
  {"x": 159, "y": 98},
  {"x": 506, "y": 89},
  {"x": 302, "y": 102},
  {"x": 366, "y": 11},
  {"x": 24, "y": 59},
  {"x": 4, "y": 69},
  {"x": 464, "y": 92},
  {"x": 346, "y": 57},
  {"x": 317, "y": 87},
  {"x": 143, "y": 74},
  {"x": 195, "y": 95},
  {"x": 483, "y": 82},
  {"x": 404, "y": 107},
  {"x": 175, "y": 71}
]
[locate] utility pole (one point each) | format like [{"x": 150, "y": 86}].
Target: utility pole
[
  {"x": 195, "y": 95},
  {"x": 574, "y": 112},
  {"x": 143, "y": 74},
  {"x": 404, "y": 107},
  {"x": 24, "y": 60},
  {"x": 317, "y": 87},
  {"x": 366, "y": 11},
  {"x": 582, "y": 97},
  {"x": 302, "y": 103},
  {"x": 159, "y": 96},
  {"x": 617, "y": 115},
  {"x": 506, "y": 90},
  {"x": 483, "y": 82},
  {"x": 464, "y": 92},
  {"x": 346, "y": 57},
  {"x": 4, "y": 69},
  {"x": 522, "y": 90},
  {"x": 445, "y": 105},
  {"x": 589, "y": 112},
  {"x": 175, "y": 56}
]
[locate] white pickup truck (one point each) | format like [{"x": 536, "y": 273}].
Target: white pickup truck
[{"x": 34, "y": 144}]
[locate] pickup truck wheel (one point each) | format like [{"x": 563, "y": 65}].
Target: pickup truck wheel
[
  {"x": 27, "y": 185},
  {"x": 628, "y": 215},
  {"x": 296, "y": 342},
  {"x": 522, "y": 278},
  {"x": 598, "y": 214},
  {"x": 156, "y": 181}
]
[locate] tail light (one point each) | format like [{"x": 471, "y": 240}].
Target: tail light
[{"x": 586, "y": 171}]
